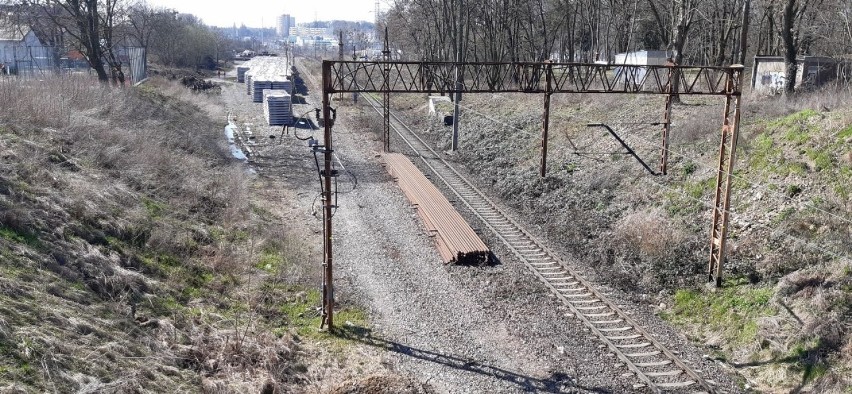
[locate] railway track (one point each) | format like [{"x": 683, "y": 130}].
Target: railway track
[
  {"x": 653, "y": 364},
  {"x": 656, "y": 367}
]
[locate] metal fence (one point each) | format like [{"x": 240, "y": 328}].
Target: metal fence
[
  {"x": 40, "y": 60},
  {"x": 28, "y": 60}
]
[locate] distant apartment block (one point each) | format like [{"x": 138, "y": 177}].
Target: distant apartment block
[
  {"x": 302, "y": 31},
  {"x": 283, "y": 25}
]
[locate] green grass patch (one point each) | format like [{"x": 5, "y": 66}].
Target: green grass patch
[
  {"x": 14, "y": 236},
  {"x": 845, "y": 133},
  {"x": 822, "y": 159},
  {"x": 731, "y": 311},
  {"x": 764, "y": 152},
  {"x": 689, "y": 200},
  {"x": 154, "y": 208},
  {"x": 270, "y": 260},
  {"x": 801, "y": 120},
  {"x": 804, "y": 356},
  {"x": 689, "y": 168},
  {"x": 193, "y": 279},
  {"x": 303, "y": 314}
]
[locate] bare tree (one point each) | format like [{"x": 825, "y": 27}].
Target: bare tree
[
  {"x": 795, "y": 13},
  {"x": 88, "y": 23}
]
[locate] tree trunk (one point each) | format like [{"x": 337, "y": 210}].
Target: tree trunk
[
  {"x": 789, "y": 38},
  {"x": 679, "y": 36},
  {"x": 744, "y": 32}
]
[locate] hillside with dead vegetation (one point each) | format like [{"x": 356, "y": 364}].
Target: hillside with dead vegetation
[
  {"x": 782, "y": 319},
  {"x": 134, "y": 258}
]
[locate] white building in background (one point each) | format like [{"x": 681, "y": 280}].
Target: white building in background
[
  {"x": 642, "y": 58},
  {"x": 307, "y": 32},
  {"x": 283, "y": 25}
]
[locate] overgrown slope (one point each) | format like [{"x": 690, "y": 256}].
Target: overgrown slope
[{"x": 132, "y": 259}]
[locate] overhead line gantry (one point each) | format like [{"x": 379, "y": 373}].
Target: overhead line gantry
[{"x": 547, "y": 79}]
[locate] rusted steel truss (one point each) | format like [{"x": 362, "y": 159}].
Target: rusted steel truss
[
  {"x": 440, "y": 77},
  {"x": 543, "y": 78}
]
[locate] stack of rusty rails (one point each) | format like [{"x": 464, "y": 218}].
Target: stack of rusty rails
[{"x": 455, "y": 239}]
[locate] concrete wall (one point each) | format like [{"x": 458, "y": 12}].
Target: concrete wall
[{"x": 769, "y": 73}]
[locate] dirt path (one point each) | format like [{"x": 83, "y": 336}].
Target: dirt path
[{"x": 461, "y": 329}]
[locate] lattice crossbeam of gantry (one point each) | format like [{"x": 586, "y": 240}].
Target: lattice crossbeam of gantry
[
  {"x": 547, "y": 79},
  {"x": 440, "y": 77}
]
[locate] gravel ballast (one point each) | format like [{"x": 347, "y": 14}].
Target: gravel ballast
[{"x": 459, "y": 329}]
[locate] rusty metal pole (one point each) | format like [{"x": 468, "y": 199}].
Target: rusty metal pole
[
  {"x": 328, "y": 277},
  {"x": 454, "y": 146},
  {"x": 340, "y": 56},
  {"x": 545, "y": 120},
  {"x": 667, "y": 122},
  {"x": 722, "y": 199},
  {"x": 386, "y": 96}
]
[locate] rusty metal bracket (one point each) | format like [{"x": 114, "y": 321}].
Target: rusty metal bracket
[{"x": 624, "y": 144}]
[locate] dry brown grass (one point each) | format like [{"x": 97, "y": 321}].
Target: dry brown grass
[
  {"x": 128, "y": 232},
  {"x": 650, "y": 232}
]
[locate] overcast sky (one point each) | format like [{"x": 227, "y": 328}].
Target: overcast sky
[{"x": 257, "y": 13}]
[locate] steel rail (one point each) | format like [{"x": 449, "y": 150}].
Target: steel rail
[{"x": 633, "y": 345}]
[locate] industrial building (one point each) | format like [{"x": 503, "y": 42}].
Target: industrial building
[{"x": 21, "y": 51}]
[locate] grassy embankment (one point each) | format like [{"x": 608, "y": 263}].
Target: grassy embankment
[{"x": 134, "y": 255}]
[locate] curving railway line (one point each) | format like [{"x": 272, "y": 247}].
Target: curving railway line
[{"x": 656, "y": 367}]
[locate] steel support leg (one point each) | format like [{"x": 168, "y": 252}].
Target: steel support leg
[
  {"x": 544, "y": 135},
  {"x": 722, "y": 199},
  {"x": 328, "y": 277},
  {"x": 548, "y": 72},
  {"x": 386, "y": 95},
  {"x": 667, "y": 124},
  {"x": 386, "y": 113}
]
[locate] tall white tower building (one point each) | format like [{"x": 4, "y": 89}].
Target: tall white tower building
[{"x": 283, "y": 25}]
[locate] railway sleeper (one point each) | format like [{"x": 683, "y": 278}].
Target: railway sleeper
[
  {"x": 653, "y": 364},
  {"x": 673, "y": 372},
  {"x": 566, "y": 283},
  {"x": 624, "y": 337},
  {"x": 590, "y": 308},
  {"x": 614, "y": 321},
  {"x": 675, "y": 385},
  {"x": 540, "y": 258},
  {"x": 604, "y": 314},
  {"x": 562, "y": 274},
  {"x": 585, "y": 302},
  {"x": 527, "y": 248},
  {"x": 642, "y": 354},
  {"x": 544, "y": 265},
  {"x": 571, "y": 289},
  {"x": 577, "y": 295},
  {"x": 634, "y": 345},
  {"x": 616, "y": 329}
]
